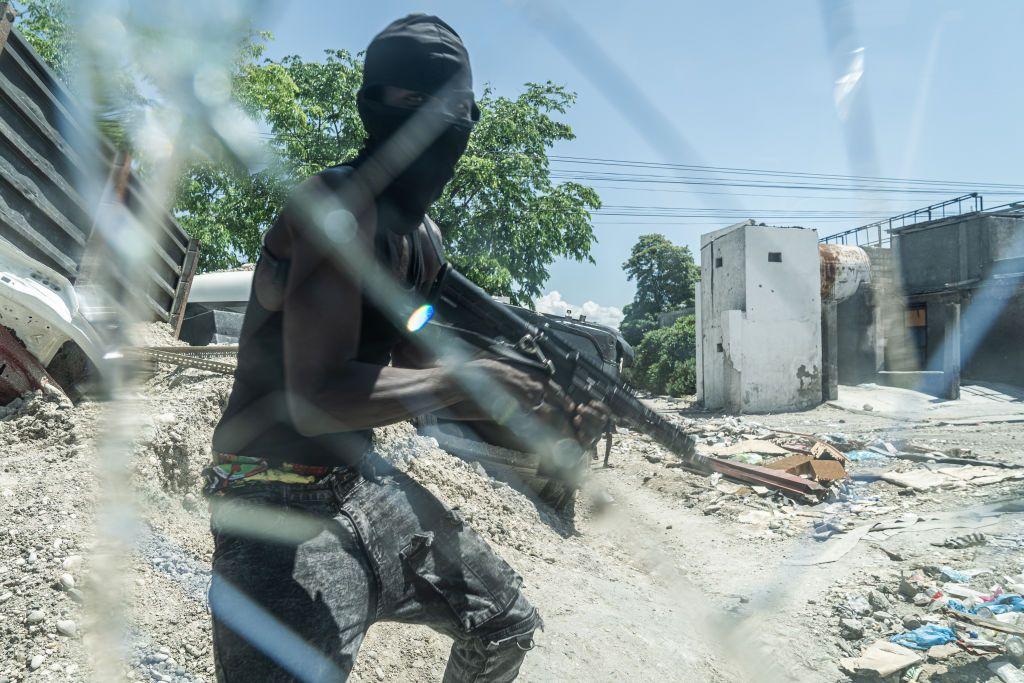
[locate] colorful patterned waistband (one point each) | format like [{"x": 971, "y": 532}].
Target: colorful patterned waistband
[{"x": 228, "y": 471}]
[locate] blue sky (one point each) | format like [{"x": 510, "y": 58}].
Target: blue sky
[{"x": 741, "y": 84}]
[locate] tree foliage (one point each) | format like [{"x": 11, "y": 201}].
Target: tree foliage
[
  {"x": 665, "y": 360},
  {"x": 665, "y": 276},
  {"x": 49, "y": 27},
  {"x": 309, "y": 108},
  {"x": 46, "y": 25},
  {"x": 504, "y": 220}
]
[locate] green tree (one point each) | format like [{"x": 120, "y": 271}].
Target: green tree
[
  {"x": 503, "y": 218},
  {"x": 310, "y": 110},
  {"x": 46, "y": 25},
  {"x": 665, "y": 276},
  {"x": 665, "y": 360}
]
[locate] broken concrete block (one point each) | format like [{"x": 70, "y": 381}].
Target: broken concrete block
[
  {"x": 882, "y": 659},
  {"x": 851, "y": 629}
]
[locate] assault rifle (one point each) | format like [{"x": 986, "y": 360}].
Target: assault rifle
[{"x": 584, "y": 380}]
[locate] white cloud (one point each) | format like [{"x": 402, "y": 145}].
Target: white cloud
[{"x": 552, "y": 302}]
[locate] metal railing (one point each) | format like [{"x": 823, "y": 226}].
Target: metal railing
[{"x": 878, "y": 234}]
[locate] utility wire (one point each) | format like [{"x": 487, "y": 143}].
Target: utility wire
[{"x": 943, "y": 186}]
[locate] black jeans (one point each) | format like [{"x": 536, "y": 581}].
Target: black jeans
[{"x": 300, "y": 572}]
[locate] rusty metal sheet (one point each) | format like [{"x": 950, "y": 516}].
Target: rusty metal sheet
[
  {"x": 820, "y": 449},
  {"x": 843, "y": 269},
  {"x": 773, "y": 479},
  {"x": 827, "y": 471},
  {"x": 791, "y": 462},
  {"x": 19, "y": 370}
]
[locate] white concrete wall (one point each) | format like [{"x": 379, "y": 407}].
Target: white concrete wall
[
  {"x": 721, "y": 289},
  {"x": 766, "y": 315},
  {"x": 698, "y": 343}
]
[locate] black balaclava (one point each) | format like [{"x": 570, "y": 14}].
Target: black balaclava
[{"x": 424, "y": 54}]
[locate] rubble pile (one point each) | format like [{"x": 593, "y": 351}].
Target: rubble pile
[
  {"x": 937, "y": 570},
  {"x": 503, "y": 514},
  {"x": 865, "y": 479},
  {"x": 42, "y": 543},
  {"x": 956, "y": 607}
]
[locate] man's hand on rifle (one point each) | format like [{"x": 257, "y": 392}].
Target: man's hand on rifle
[{"x": 536, "y": 394}]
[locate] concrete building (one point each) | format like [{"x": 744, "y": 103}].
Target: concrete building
[
  {"x": 963, "y": 279},
  {"x": 945, "y": 301},
  {"x": 759, "y": 319}
]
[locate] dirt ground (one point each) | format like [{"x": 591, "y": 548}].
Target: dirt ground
[{"x": 658, "y": 574}]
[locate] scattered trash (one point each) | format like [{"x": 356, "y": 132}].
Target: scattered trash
[
  {"x": 1004, "y": 603},
  {"x": 860, "y": 456},
  {"x": 749, "y": 446},
  {"x": 749, "y": 458},
  {"x": 925, "y": 637},
  {"x": 954, "y": 575}
]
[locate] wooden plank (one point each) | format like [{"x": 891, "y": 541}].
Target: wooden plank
[
  {"x": 34, "y": 158},
  {"x": 17, "y": 222},
  {"x": 30, "y": 191},
  {"x": 180, "y": 300},
  {"x": 30, "y": 111}
]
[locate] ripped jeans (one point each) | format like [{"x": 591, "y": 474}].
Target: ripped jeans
[{"x": 300, "y": 572}]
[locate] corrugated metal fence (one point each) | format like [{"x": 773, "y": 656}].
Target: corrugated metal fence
[{"x": 48, "y": 150}]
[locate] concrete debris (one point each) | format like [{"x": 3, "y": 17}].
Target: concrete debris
[
  {"x": 759, "y": 446},
  {"x": 1007, "y": 672},
  {"x": 868, "y": 593},
  {"x": 948, "y": 477},
  {"x": 881, "y": 659},
  {"x": 817, "y": 469}
]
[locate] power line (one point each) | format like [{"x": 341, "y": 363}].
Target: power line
[
  {"x": 916, "y": 185},
  {"x": 765, "y": 172}
]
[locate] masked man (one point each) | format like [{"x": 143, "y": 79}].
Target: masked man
[{"x": 316, "y": 537}]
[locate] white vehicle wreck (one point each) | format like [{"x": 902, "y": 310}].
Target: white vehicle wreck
[{"x": 60, "y": 277}]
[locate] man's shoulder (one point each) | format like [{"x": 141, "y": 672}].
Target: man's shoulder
[
  {"x": 333, "y": 184},
  {"x": 333, "y": 176},
  {"x": 433, "y": 232}
]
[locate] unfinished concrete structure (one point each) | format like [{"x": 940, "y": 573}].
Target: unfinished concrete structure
[
  {"x": 945, "y": 300},
  {"x": 759, "y": 319},
  {"x": 844, "y": 269}
]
